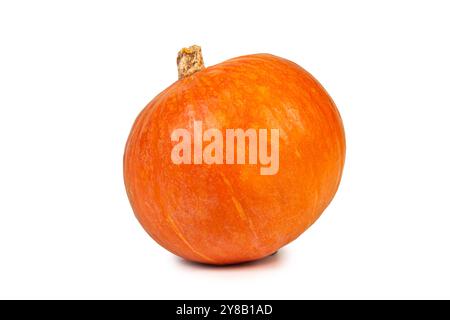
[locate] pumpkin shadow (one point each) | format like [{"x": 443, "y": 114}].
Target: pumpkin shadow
[{"x": 268, "y": 262}]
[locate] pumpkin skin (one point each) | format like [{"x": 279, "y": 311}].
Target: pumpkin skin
[{"x": 225, "y": 214}]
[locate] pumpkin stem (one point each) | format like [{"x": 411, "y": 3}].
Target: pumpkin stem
[{"x": 189, "y": 61}]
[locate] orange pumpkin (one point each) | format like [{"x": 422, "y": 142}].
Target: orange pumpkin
[{"x": 222, "y": 213}]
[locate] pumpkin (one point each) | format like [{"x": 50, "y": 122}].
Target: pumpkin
[{"x": 226, "y": 212}]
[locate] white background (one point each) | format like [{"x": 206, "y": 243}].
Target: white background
[{"x": 75, "y": 74}]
